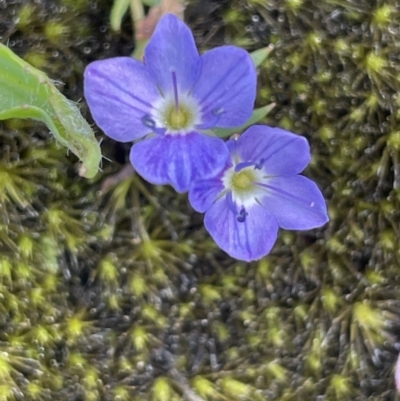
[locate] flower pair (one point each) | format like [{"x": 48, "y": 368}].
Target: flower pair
[{"x": 247, "y": 187}]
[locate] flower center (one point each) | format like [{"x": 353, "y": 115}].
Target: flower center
[
  {"x": 243, "y": 181},
  {"x": 178, "y": 118},
  {"x": 175, "y": 113},
  {"x": 243, "y": 187}
]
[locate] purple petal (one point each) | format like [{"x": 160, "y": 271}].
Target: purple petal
[
  {"x": 179, "y": 160},
  {"x": 397, "y": 374},
  {"x": 172, "y": 48},
  {"x": 203, "y": 193},
  {"x": 296, "y": 202},
  {"x": 249, "y": 240},
  {"x": 281, "y": 152},
  {"x": 232, "y": 145},
  {"x": 226, "y": 88},
  {"x": 120, "y": 92}
]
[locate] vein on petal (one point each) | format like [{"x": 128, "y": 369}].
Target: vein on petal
[
  {"x": 286, "y": 194},
  {"x": 274, "y": 151},
  {"x": 209, "y": 102},
  {"x": 218, "y": 83},
  {"x": 123, "y": 90}
]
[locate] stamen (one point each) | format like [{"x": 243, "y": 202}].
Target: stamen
[
  {"x": 149, "y": 122},
  {"x": 241, "y": 166},
  {"x": 258, "y": 166},
  {"x": 212, "y": 122},
  {"x": 175, "y": 85},
  {"x": 242, "y": 215}
]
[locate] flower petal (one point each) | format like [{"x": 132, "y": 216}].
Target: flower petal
[
  {"x": 296, "y": 202},
  {"x": 120, "y": 92},
  {"x": 248, "y": 240},
  {"x": 282, "y": 152},
  {"x": 397, "y": 374},
  {"x": 172, "y": 48},
  {"x": 226, "y": 87},
  {"x": 179, "y": 160},
  {"x": 203, "y": 193}
]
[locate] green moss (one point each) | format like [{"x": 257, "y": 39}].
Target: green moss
[
  {"x": 26, "y": 16},
  {"x": 55, "y": 31},
  {"x": 234, "y": 389},
  {"x": 383, "y": 15},
  {"x": 294, "y": 5},
  {"x": 94, "y": 282},
  {"x": 38, "y": 60},
  {"x": 76, "y": 5},
  {"x": 162, "y": 390}
]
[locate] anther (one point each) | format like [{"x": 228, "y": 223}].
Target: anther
[
  {"x": 242, "y": 215},
  {"x": 148, "y": 121},
  {"x": 212, "y": 123},
  {"x": 258, "y": 166}
]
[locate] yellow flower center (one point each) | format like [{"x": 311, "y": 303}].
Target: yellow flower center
[
  {"x": 243, "y": 180},
  {"x": 178, "y": 119}
]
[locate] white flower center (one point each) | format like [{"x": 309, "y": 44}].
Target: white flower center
[
  {"x": 243, "y": 185},
  {"x": 181, "y": 118}
]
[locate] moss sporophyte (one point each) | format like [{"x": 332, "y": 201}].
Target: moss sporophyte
[{"x": 175, "y": 96}]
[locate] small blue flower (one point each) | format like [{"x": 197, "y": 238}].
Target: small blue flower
[
  {"x": 259, "y": 191},
  {"x": 174, "y": 96}
]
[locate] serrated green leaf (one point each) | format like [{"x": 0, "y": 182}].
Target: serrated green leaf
[{"x": 26, "y": 92}]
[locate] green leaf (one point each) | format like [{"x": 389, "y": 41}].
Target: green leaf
[
  {"x": 26, "y": 92},
  {"x": 259, "y": 55},
  {"x": 151, "y": 3},
  {"x": 140, "y": 45},
  {"x": 257, "y": 116},
  {"x": 118, "y": 11}
]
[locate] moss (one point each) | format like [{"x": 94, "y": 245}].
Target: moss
[
  {"x": 96, "y": 284},
  {"x": 26, "y": 16},
  {"x": 55, "y": 31}
]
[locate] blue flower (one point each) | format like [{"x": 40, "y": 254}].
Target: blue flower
[
  {"x": 171, "y": 100},
  {"x": 259, "y": 191}
]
